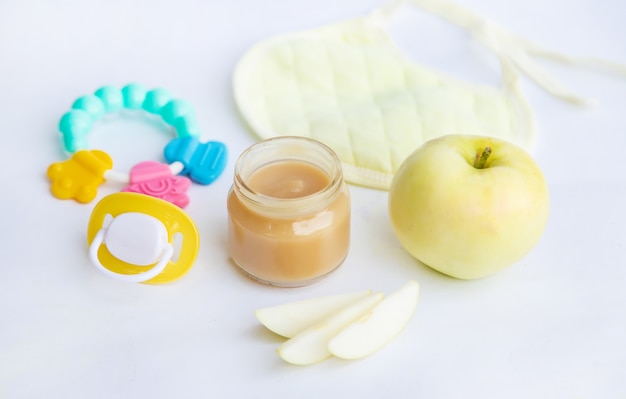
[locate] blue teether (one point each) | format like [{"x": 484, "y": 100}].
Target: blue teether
[{"x": 203, "y": 162}]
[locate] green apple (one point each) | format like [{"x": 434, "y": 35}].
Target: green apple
[
  {"x": 377, "y": 327},
  {"x": 311, "y": 345},
  {"x": 468, "y": 206},
  {"x": 288, "y": 319}
]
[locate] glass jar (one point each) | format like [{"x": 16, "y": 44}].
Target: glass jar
[{"x": 288, "y": 212}]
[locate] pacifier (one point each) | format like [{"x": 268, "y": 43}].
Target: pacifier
[
  {"x": 188, "y": 159},
  {"x": 138, "y": 238}
]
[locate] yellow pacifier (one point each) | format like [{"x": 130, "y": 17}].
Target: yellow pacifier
[{"x": 141, "y": 239}]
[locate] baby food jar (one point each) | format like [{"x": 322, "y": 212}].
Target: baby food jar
[{"x": 288, "y": 212}]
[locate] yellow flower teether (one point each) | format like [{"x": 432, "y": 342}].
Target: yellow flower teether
[{"x": 79, "y": 177}]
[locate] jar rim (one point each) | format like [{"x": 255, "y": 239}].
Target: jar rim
[{"x": 304, "y": 149}]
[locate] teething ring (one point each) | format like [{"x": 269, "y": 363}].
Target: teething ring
[{"x": 78, "y": 177}]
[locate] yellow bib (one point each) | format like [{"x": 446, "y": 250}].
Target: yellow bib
[{"x": 348, "y": 86}]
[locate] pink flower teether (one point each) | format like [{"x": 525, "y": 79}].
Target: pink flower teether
[{"x": 156, "y": 179}]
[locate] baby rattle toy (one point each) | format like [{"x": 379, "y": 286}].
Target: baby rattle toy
[{"x": 189, "y": 160}]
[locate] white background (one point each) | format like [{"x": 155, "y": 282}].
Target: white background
[{"x": 552, "y": 326}]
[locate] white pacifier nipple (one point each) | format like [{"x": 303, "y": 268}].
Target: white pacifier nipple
[{"x": 135, "y": 238}]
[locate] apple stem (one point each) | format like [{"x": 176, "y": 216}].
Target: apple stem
[{"x": 481, "y": 158}]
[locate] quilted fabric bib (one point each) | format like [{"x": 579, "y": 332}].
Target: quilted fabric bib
[{"x": 348, "y": 86}]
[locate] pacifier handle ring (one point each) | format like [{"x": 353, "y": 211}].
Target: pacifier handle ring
[{"x": 128, "y": 278}]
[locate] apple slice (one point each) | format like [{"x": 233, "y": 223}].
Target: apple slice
[
  {"x": 311, "y": 345},
  {"x": 288, "y": 319},
  {"x": 378, "y": 326}
]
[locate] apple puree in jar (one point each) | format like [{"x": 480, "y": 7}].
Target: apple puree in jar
[
  {"x": 288, "y": 179},
  {"x": 289, "y": 212}
]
